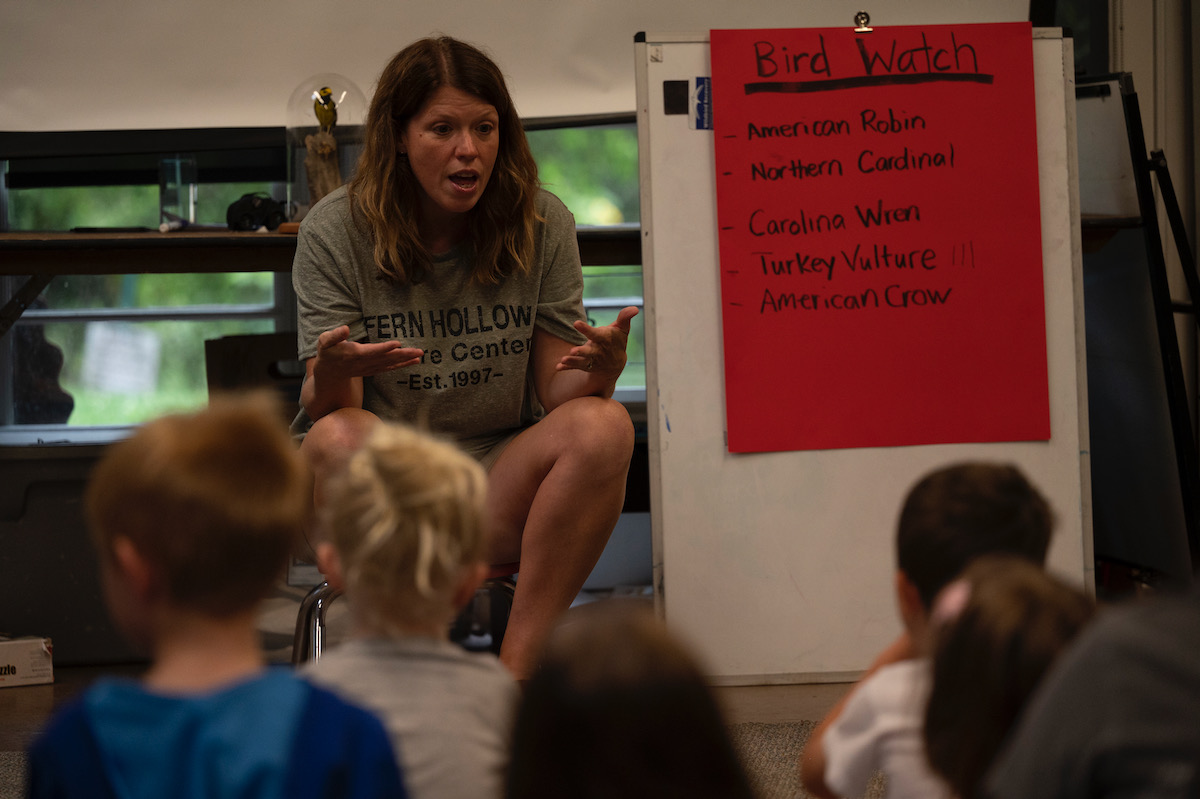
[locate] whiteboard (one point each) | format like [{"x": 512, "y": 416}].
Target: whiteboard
[{"x": 779, "y": 567}]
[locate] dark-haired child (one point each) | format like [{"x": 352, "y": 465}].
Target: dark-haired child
[{"x": 950, "y": 517}]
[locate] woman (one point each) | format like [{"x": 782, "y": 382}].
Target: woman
[{"x": 443, "y": 287}]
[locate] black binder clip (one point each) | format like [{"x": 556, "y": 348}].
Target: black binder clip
[{"x": 862, "y": 22}]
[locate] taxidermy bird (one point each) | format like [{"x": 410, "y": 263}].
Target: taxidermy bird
[{"x": 325, "y": 108}]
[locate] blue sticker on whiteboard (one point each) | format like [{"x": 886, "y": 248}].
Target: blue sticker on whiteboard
[{"x": 702, "y": 105}]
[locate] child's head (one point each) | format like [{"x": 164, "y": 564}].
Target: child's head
[
  {"x": 996, "y": 631},
  {"x": 405, "y": 520},
  {"x": 210, "y": 503},
  {"x": 619, "y": 707},
  {"x": 959, "y": 512}
]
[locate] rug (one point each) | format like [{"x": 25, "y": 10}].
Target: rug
[
  {"x": 12, "y": 775},
  {"x": 771, "y": 754}
]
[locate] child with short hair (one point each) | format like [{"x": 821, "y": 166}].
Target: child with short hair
[
  {"x": 997, "y": 629},
  {"x": 193, "y": 517},
  {"x": 950, "y": 517},
  {"x": 406, "y": 543}
]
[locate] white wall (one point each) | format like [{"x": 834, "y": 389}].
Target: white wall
[{"x": 76, "y": 65}]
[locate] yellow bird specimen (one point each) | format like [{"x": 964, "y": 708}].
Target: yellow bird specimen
[{"x": 325, "y": 108}]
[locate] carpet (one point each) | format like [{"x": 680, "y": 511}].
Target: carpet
[
  {"x": 771, "y": 753},
  {"x": 12, "y": 775}
]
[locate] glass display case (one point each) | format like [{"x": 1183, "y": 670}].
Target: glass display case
[{"x": 325, "y": 117}]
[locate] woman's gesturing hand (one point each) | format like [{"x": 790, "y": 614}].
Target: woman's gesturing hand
[
  {"x": 604, "y": 352},
  {"x": 339, "y": 357}
]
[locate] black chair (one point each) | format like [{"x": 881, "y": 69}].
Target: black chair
[{"x": 479, "y": 627}]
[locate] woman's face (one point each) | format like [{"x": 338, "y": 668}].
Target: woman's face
[{"x": 451, "y": 144}]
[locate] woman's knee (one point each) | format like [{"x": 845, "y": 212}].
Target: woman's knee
[
  {"x": 333, "y": 437},
  {"x": 599, "y": 426}
]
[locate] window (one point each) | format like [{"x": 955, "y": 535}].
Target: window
[
  {"x": 115, "y": 350},
  {"x": 1086, "y": 21},
  {"x": 593, "y": 169}
]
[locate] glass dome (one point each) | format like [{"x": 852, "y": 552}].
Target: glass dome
[{"x": 322, "y": 151}]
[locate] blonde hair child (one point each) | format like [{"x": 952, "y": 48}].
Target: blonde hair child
[
  {"x": 406, "y": 542},
  {"x": 406, "y": 533}
]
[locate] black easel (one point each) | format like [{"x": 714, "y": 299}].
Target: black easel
[
  {"x": 1186, "y": 455},
  {"x": 1158, "y": 163}
]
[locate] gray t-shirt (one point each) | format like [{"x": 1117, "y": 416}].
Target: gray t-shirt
[
  {"x": 1118, "y": 715},
  {"x": 449, "y": 712},
  {"x": 474, "y": 384}
]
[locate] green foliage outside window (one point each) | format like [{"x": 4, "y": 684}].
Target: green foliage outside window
[
  {"x": 79, "y": 206},
  {"x": 593, "y": 170},
  {"x": 180, "y": 383}
]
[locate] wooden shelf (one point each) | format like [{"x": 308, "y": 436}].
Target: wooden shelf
[
  {"x": 62, "y": 253},
  {"x": 43, "y": 256},
  {"x": 1098, "y": 229},
  {"x": 148, "y": 253}
]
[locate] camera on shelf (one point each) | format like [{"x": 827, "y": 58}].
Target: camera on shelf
[{"x": 255, "y": 210}]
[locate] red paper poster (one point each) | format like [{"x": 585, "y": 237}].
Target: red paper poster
[{"x": 880, "y": 236}]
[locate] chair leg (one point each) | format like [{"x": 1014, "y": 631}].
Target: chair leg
[
  {"x": 309, "y": 639},
  {"x": 481, "y": 625},
  {"x": 501, "y": 591}
]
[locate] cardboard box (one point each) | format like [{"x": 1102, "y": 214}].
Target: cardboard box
[{"x": 26, "y": 661}]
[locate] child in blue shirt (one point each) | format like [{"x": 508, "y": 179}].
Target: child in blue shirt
[{"x": 193, "y": 518}]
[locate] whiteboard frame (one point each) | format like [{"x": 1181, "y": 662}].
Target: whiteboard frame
[{"x": 779, "y": 567}]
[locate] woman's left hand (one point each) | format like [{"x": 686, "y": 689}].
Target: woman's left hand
[{"x": 604, "y": 352}]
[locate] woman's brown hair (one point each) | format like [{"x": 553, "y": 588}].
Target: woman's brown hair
[{"x": 385, "y": 194}]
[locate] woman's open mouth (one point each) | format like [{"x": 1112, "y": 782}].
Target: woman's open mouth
[{"x": 465, "y": 181}]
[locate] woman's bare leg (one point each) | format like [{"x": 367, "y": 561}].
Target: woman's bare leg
[
  {"x": 328, "y": 445},
  {"x": 555, "y": 494}
]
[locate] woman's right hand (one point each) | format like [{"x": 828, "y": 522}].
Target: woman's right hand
[
  {"x": 339, "y": 358},
  {"x": 334, "y": 376}
]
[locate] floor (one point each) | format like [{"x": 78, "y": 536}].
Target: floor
[{"x": 23, "y": 709}]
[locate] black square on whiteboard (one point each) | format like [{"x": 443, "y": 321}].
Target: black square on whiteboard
[{"x": 675, "y": 96}]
